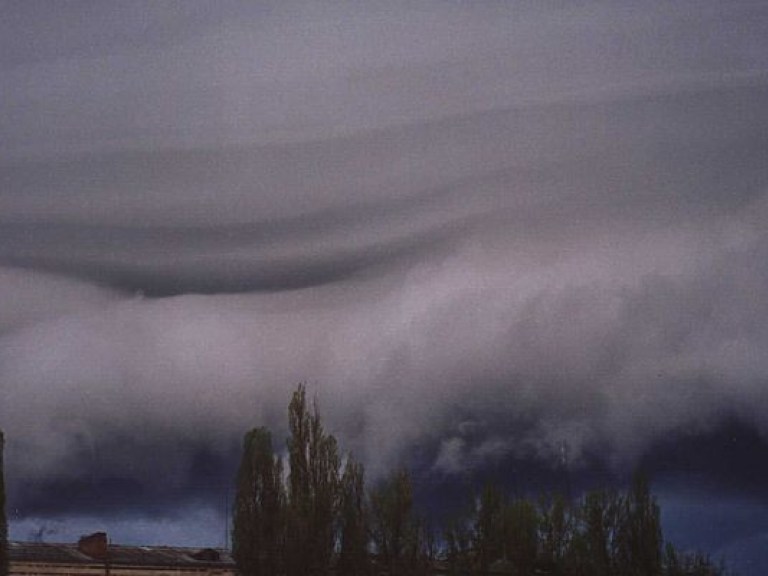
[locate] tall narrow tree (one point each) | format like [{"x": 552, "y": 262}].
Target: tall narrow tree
[
  {"x": 313, "y": 489},
  {"x": 4, "y": 560},
  {"x": 521, "y": 539},
  {"x": 458, "y": 546},
  {"x": 556, "y": 531},
  {"x": 598, "y": 514},
  {"x": 258, "y": 535},
  {"x": 353, "y": 554},
  {"x": 393, "y": 526},
  {"x": 489, "y": 528},
  {"x": 639, "y": 535}
]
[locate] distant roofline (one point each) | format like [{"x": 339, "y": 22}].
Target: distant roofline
[
  {"x": 152, "y": 546},
  {"x": 159, "y": 556}
]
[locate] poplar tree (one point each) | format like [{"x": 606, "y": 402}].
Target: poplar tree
[
  {"x": 393, "y": 527},
  {"x": 353, "y": 555},
  {"x": 4, "y": 561},
  {"x": 556, "y": 526},
  {"x": 313, "y": 489},
  {"x": 521, "y": 525},
  {"x": 458, "y": 546},
  {"x": 489, "y": 528},
  {"x": 258, "y": 534},
  {"x": 640, "y": 537}
]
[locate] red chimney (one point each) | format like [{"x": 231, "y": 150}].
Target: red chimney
[{"x": 94, "y": 545}]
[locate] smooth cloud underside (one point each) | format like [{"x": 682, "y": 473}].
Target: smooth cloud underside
[{"x": 486, "y": 229}]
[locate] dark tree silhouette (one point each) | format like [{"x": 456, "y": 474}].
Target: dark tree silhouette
[
  {"x": 393, "y": 527},
  {"x": 598, "y": 515},
  {"x": 489, "y": 528},
  {"x": 258, "y": 535},
  {"x": 353, "y": 556},
  {"x": 319, "y": 522},
  {"x": 313, "y": 490},
  {"x": 557, "y": 530},
  {"x": 639, "y": 535},
  {"x": 458, "y": 546},
  {"x": 521, "y": 525}
]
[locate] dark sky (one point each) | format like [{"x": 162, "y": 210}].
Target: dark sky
[{"x": 477, "y": 230}]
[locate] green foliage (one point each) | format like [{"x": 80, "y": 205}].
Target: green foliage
[
  {"x": 556, "y": 528},
  {"x": 427, "y": 549},
  {"x": 489, "y": 528},
  {"x": 3, "y": 518},
  {"x": 353, "y": 555},
  {"x": 521, "y": 542},
  {"x": 313, "y": 495},
  {"x": 599, "y": 515},
  {"x": 458, "y": 546},
  {"x": 607, "y": 533},
  {"x": 258, "y": 534},
  {"x": 393, "y": 527},
  {"x": 639, "y": 541},
  {"x": 318, "y": 521},
  {"x": 691, "y": 564}
]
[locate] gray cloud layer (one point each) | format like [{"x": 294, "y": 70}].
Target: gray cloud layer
[{"x": 487, "y": 228}]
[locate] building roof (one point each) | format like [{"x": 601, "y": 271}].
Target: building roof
[{"x": 156, "y": 556}]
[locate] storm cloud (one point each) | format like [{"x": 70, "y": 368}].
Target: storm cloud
[{"x": 477, "y": 230}]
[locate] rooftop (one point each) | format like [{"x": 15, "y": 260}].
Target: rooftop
[{"x": 157, "y": 556}]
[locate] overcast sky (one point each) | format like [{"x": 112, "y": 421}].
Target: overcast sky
[{"x": 477, "y": 230}]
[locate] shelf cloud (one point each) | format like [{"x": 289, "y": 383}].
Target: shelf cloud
[{"x": 478, "y": 231}]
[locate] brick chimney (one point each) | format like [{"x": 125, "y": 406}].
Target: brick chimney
[{"x": 94, "y": 545}]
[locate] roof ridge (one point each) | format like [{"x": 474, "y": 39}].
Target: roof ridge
[{"x": 111, "y": 545}]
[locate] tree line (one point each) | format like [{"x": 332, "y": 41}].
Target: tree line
[{"x": 317, "y": 518}]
